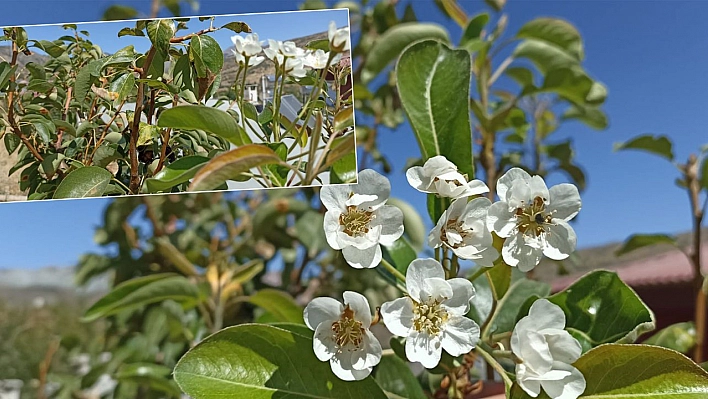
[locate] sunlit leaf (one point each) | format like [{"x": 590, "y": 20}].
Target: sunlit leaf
[
  {"x": 90, "y": 181},
  {"x": 229, "y": 165}
]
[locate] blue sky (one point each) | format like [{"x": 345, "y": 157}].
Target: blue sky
[{"x": 652, "y": 55}]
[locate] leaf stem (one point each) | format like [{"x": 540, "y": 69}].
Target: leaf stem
[
  {"x": 391, "y": 269},
  {"x": 496, "y": 366}
]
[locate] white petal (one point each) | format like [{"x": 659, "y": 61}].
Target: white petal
[
  {"x": 434, "y": 240},
  {"x": 487, "y": 257},
  {"x": 475, "y": 187},
  {"x": 527, "y": 381},
  {"x": 424, "y": 349},
  {"x": 478, "y": 208},
  {"x": 323, "y": 342},
  {"x": 500, "y": 219},
  {"x": 546, "y": 314},
  {"x": 564, "y": 347},
  {"x": 370, "y": 353},
  {"x": 362, "y": 258},
  {"x": 390, "y": 218},
  {"x": 322, "y": 309},
  {"x": 517, "y": 252},
  {"x": 438, "y": 165},
  {"x": 569, "y": 387},
  {"x": 560, "y": 240},
  {"x": 508, "y": 179},
  {"x": 331, "y": 228},
  {"x": 418, "y": 271},
  {"x": 347, "y": 374},
  {"x": 564, "y": 202},
  {"x": 532, "y": 348},
  {"x": 371, "y": 182},
  {"x": 462, "y": 293},
  {"x": 360, "y": 306},
  {"x": 538, "y": 188},
  {"x": 436, "y": 288},
  {"x": 335, "y": 196},
  {"x": 460, "y": 336},
  {"x": 417, "y": 179},
  {"x": 398, "y": 316}
]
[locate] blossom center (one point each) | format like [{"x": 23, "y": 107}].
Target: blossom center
[
  {"x": 429, "y": 316},
  {"x": 533, "y": 218},
  {"x": 356, "y": 221},
  {"x": 347, "y": 330},
  {"x": 454, "y": 225}
]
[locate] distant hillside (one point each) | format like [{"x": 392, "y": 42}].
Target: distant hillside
[
  {"x": 22, "y": 60},
  {"x": 55, "y": 283}
]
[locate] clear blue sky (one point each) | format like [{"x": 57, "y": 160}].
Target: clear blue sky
[{"x": 652, "y": 55}]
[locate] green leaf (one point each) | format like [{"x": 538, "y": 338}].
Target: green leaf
[
  {"x": 86, "y": 78},
  {"x": 400, "y": 254},
  {"x": 54, "y": 49},
  {"x": 574, "y": 85},
  {"x": 160, "y": 31},
  {"x": 147, "y": 133},
  {"x": 123, "y": 85},
  {"x": 6, "y": 72},
  {"x": 637, "y": 241},
  {"x": 229, "y": 165},
  {"x": 500, "y": 276},
  {"x": 604, "y": 309},
  {"x": 545, "y": 56},
  {"x": 90, "y": 181},
  {"x": 260, "y": 361},
  {"x": 309, "y": 231},
  {"x": 438, "y": 115},
  {"x": 154, "y": 375},
  {"x": 237, "y": 27},
  {"x": 279, "y": 304},
  {"x": 344, "y": 170},
  {"x": 178, "y": 172},
  {"x": 117, "y": 12},
  {"x": 590, "y": 115},
  {"x": 659, "y": 145},
  {"x": 391, "y": 43},
  {"x": 474, "y": 29},
  {"x": 555, "y": 31},
  {"x": 206, "y": 54},
  {"x": 504, "y": 318},
  {"x": 142, "y": 291},
  {"x": 414, "y": 226},
  {"x": 198, "y": 117},
  {"x": 704, "y": 173},
  {"x": 394, "y": 376},
  {"x": 636, "y": 372},
  {"x": 680, "y": 337}
]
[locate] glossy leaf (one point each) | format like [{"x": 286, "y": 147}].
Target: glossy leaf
[
  {"x": 555, "y": 31},
  {"x": 237, "y": 27},
  {"x": 123, "y": 85},
  {"x": 116, "y": 12},
  {"x": 391, "y": 43},
  {"x": 394, "y": 376},
  {"x": 344, "y": 170},
  {"x": 197, "y": 117},
  {"x": 504, "y": 318},
  {"x": 474, "y": 29},
  {"x": 636, "y": 372},
  {"x": 229, "y": 165},
  {"x": 263, "y": 362},
  {"x": 438, "y": 115},
  {"x": 89, "y": 181},
  {"x": 637, "y": 241},
  {"x": 590, "y": 115},
  {"x": 704, "y": 173},
  {"x": 206, "y": 54},
  {"x": 680, "y": 337},
  {"x": 659, "y": 145},
  {"x": 545, "y": 56},
  {"x": 160, "y": 31},
  {"x": 279, "y": 304},
  {"x": 400, "y": 254},
  {"x": 178, "y": 172},
  {"x": 142, "y": 291}
]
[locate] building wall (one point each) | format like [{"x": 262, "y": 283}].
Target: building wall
[{"x": 9, "y": 185}]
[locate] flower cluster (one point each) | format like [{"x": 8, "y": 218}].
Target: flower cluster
[
  {"x": 532, "y": 221},
  {"x": 287, "y": 55}
]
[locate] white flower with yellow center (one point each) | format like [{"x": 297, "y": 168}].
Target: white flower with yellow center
[
  {"x": 440, "y": 176},
  {"x": 533, "y": 219},
  {"x": 432, "y": 316},
  {"x": 462, "y": 228},
  {"x": 339, "y": 39},
  {"x": 342, "y": 335},
  {"x": 318, "y": 59},
  {"x": 248, "y": 46},
  {"x": 358, "y": 220},
  {"x": 545, "y": 352}
]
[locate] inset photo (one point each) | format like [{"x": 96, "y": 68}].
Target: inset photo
[{"x": 223, "y": 102}]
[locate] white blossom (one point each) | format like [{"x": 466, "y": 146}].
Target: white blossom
[
  {"x": 295, "y": 67},
  {"x": 318, "y": 59},
  {"x": 252, "y": 61},
  {"x": 339, "y": 39},
  {"x": 358, "y": 220},
  {"x": 248, "y": 46},
  {"x": 462, "y": 228},
  {"x": 546, "y": 351},
  {"x": 342, "y": 335},
  {"x": 533, "y": 219},
  {"x": 432, "y": 316},
  {"x": 440, "y": 176}
]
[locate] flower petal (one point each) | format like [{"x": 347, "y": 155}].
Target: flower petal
[
  {"x": 460, "y": 336},
  {"x": 347, "y": 373},
  {"x": 335, "y": 196},
  {"x": 321, "y": 309},
  {"x": 418, "y": 271},
  {"x": 323, "y": 342},
  {"x": 360, "y": 306},
  {"x": 370, "y": 353},
  {"x": 564, "y": 347},
  {"x": 539, "y": 189},
  {"x": 362, "y": 258},
  {"x": 513, "y": 175},
  {"x": 390, "y": 218},
  {"x": 564, "y": 202},
  {"x": 526, "y": 379},
  {"x": 569, "y": 387},
  {"x": 500, "y": 219},
  {"x": 417, "y": 179},
  {"x": 560, "y": 240},
  {"x": 424, "y": 349},
  {"x": 546, "y": 314},
  {"x": 331, "y": 228},
  {"x": 371, "y": 182},
  {"x": 398, "y": 316},
  {"x": 475, "y": 187},
  {"x": 462, "y": 293},
  {"x": 436, "y": 288},
  {"x": 516, "y": 252},
  {"x": 531, "y": 347}
]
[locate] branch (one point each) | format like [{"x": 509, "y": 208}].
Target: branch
[
  {"x": 181, "y": 39},
  {"x": 135, "y": 129}
]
